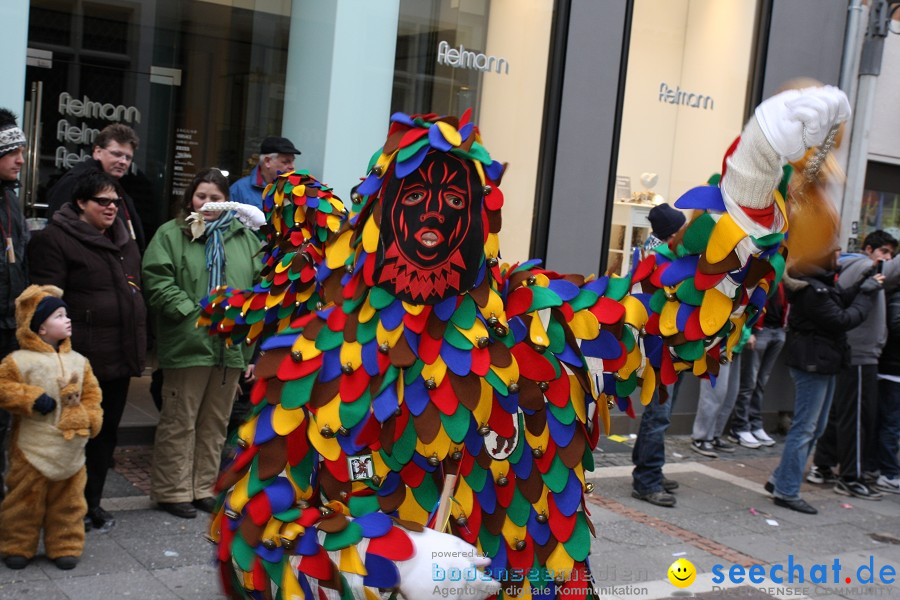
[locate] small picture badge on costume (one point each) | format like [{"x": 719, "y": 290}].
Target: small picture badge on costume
[
  {"x": 499, "y": 447},
  {"x": 360, "y": 467}
]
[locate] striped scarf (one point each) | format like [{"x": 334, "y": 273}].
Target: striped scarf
[{"x": 215, "y": 249}]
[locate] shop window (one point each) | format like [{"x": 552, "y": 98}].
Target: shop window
[
  {"x": 106, "y": 28},
  {"x": 685, "y": 100},
  {"x": 201, "y": 82},
  {"x": 51, "y": 23},
  {"x": 880, "y": 207}
]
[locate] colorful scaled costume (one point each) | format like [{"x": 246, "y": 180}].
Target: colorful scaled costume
[{"x": 401, "y": 352}]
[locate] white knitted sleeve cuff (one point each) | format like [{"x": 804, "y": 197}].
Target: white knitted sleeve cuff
[{"x": 753, "y": 170}]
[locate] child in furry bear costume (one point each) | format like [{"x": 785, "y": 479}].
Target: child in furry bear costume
[{"x": 46, "y": 474}]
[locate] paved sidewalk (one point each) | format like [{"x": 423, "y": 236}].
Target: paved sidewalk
[{"x": 723, "y": 518}]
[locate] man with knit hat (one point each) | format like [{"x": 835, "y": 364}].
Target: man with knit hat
[
  {"x": 649, "y": 453},
  {"x": 13, "y": 270}
]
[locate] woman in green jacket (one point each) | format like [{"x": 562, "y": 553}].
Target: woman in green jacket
[{"x": 182, "y": 264}]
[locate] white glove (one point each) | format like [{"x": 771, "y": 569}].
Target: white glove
[
  {"x": 795, "y": 120},
  {"x": 444, "y": 566},
  {"x": 248, "y": 215}
]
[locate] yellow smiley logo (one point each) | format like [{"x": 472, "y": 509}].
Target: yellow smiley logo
[{"x": 682, "y": 573}]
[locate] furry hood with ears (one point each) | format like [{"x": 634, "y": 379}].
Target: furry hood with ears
[{"x": 26, "y": 304}]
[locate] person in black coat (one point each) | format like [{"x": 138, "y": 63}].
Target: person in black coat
[
  {"x": 13, "y": 263},
  {"x": 87, "y": 251},
  {"x": 114, "y": 149},
  {"x": 821, "y": 313}
]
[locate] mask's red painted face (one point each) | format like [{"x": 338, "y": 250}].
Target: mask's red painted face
[{"x": 431, "y": 231}]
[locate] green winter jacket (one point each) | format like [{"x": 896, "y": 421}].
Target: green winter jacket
[{"x": 176, "y": 278}]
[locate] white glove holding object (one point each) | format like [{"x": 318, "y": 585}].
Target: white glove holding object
[
  {"x": 796, "y": 120},
  {"x": 428, "y": 573},
  {"x": 248, "y": 215}
]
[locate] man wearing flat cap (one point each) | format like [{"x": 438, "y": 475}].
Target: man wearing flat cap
[{"x": 276, "y": 155}]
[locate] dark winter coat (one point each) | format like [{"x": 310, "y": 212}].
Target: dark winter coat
[
  {"x": 61, "y": 193},
  {"x": 889, "y": 364},
  {"x": 100, "y": 275},
  {"x": 13, "y": 277},
  {"x": 820, "y": 316}
]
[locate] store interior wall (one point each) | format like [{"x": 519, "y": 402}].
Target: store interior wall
[
  {"x": 701, "y": 47},
  {"x": 511, "y": 109}
]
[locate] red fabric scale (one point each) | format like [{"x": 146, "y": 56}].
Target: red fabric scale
[
  {"x": 521, "y": 561},
  {"x": 417, "y": 323},
  {"x": 429, "y": 348},
  {"x": 505, "y": 492},
  {"x": 353, "y": 385},
  {"x": 531, "y": 364},
  {"x": 297, "y": 446},
  {"x": 412, "y": 474},
  {"x": 518, "y": 302},
  {"x": 611, "y": 365},
  {"x": 394, "y": 545},
  {"x": 667, "y": 369},
  {"x": 561, "y": 525},
  {"x": 607, "y": 311},
  {"x": 318, "y": 566},
  {"x": 289, "y": 369},
  {"x": 338, "y": 468},
  {"x": 546, "y": 460},
  {"x": 501, "y": 422},
  {"x": 259, "y": 509},
  {"x": 644, "y": 268},
  {"x": 258, "y": 391},
  {"x": 481, "y": 361},
  {"x": 444, "y": 398},
  {"x": 692, "y": 329},
  {"x": 652, "y": 324},
  {"x": 558, "y": 392},
  {"x": 260, "y": 578}
]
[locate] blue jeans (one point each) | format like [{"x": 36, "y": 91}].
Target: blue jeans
[
  {"x": 888, "y": 428},
  {"x": 649, "y": 452},
  {"x": 812, "y": 399},
  {"x": 756, "y": 366}
]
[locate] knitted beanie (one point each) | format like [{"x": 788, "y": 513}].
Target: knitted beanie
[
  {"x": 11, "y": 137},
  {"x": 46, "y": 307},
  {"x": 665, "y": 220}
]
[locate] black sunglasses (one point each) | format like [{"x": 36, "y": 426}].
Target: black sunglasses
[{"x": 104, "y": 202}]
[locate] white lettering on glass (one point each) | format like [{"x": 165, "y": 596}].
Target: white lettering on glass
[{"x": 460, "y": 58}]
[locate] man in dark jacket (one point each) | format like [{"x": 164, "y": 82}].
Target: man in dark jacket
[
  {"x": 889, "y": 402},
  {"x": 649, "y": 453},
  {"x": 850, "y": 438},
  {"x": 114, "y": 150},
  {"x": 13, "y": 269},
  {"x": 821, "y": 314}
]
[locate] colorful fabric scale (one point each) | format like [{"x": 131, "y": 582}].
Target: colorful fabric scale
[{"x": 366, "y": 401}]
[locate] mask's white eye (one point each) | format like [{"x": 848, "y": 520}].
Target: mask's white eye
[
  {"x": 455, "y": 201},
  {"x": 413, "y": 198}
]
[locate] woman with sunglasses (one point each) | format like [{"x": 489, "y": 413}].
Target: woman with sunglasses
[{"x": 89, "y": 253}]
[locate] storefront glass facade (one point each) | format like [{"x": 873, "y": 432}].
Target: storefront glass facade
[{"x": 203, "y": 81}]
